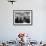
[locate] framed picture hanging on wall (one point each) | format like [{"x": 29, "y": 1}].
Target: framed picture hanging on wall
[{"x": 22, "y": 17}]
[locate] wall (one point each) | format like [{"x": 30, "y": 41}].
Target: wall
[{"x": 38, "y": 29}]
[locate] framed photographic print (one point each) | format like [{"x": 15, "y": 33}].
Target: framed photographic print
[{"x": 22, "y": 17}]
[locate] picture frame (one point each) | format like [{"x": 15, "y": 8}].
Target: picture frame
[{"x": 22, "y": 17}]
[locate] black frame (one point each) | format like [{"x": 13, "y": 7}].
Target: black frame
[{"x": 23, "y": 24}]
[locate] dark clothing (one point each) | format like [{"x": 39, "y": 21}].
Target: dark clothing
[
  {"x": 17, "y": 20},
  {"x": 27, "y": 20}
]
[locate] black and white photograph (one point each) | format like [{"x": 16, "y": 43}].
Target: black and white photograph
[{"x": 22, "y": 16}]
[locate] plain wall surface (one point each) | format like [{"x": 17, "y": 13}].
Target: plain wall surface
[{"x": 38, "y": 29}]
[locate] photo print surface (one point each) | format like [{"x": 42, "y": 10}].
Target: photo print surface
[{"x": 22, "y": 16}]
